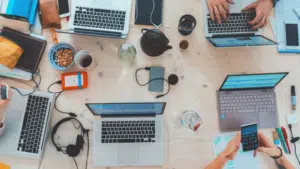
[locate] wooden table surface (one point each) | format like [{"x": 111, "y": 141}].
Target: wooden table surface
[{"x": 201, "y": 70}]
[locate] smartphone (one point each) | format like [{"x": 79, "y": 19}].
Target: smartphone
[
  {"x": 155, "y": 73},
  {"x": 63, "y": 8},
  {"x": 249, "y": 137},
  {"x": 4, "y": 92},
  {"x": 292, "y": 35}
]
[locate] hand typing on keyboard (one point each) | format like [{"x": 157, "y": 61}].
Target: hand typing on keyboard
[
  {"x": 219, "y": 10},
  {"x": 262, "y": 8}
]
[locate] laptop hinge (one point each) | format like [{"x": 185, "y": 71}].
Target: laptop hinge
[
  {"x": 234, "y": 35},
  {"x": 128, "y": 116},
  {"x": 98, "y": 33}
]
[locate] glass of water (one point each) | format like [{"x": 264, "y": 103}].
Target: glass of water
[{"x": 127, "y": 54}]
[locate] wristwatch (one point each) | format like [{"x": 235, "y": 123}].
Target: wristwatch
[
  {"x": 276, "y": 157},
  {"x": 275, "y": 2}
]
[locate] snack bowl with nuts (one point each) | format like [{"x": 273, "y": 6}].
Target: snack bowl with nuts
[{"x": 61, "y": 56}]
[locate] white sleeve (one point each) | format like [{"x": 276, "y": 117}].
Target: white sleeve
[{"x": 2, "y": 129}]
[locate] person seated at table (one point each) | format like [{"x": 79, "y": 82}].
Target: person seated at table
[
  {"x": 220, "y": 9},
  {"x": 3, "y": 106},
  {"x": 265, "y": 146}
]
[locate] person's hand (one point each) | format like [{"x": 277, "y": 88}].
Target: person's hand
[
  {"x": 4, "y": 104},
  {"x": 233, "y": 147},
  {"x": 266, "y": 146},
  {"x": 219, "y": 9},
  {"x": 262, "y": 9}
]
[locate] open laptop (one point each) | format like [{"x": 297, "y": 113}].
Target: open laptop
[
  {"x": 26, "y": 125},
  {"x": 128, "y": 134},
  {"x": 108, "y": 18},
  {"x": 248, "y": 98},
  {"x": 235, "y": 32}
]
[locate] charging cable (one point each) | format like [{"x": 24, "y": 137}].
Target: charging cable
[
  {"x": 294, "y": 140},
  {"x": 56, "y": 98},
  {"x": 172, "y": 80},
  {"x": 37, "y": 84}
]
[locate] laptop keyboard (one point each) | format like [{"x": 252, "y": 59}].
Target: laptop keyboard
[
  {"x": 247, "y": 102},
  {"x": 99, "y": 18},
  {"x": 237, "y": 22},
  {"x": 127, "y": 106},
  {"x": 128, "y": 131},
  {"x": 33, "y": 124}
]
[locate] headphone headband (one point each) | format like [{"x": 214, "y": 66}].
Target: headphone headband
[{"x": 58, "y": 124}]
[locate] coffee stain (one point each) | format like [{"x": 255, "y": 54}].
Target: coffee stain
[
  {"x": 204, "y": 86},
  {"x": 198, "y": 53},
  {"x": 181, "y": 77},
  {"x": 100, "y": 45}
]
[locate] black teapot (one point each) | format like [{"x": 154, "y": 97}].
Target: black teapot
[{"x": 154, "y": 42}]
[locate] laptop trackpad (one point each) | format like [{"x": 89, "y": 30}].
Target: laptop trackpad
[{"x": 128, "y": 154}]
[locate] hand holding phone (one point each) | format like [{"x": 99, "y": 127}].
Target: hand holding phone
[{"x": 249, "y": 137}]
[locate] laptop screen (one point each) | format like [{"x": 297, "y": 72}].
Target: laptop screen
[
  {"x": 234, "y": 41},
  {"x": 254, "y": 81},
  {"x": 126, "y": 108}
]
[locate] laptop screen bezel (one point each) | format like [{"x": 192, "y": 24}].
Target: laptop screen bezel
[
  {"x": 124, "y": 115},
  {"x": 238, "y": 35},
  {"x": 256, "y": 88}
]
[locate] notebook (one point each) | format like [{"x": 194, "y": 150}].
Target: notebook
[
  {"x": 244, "y": 160},
  {"x": 32, "y": 46},
  {"x": 24, "y": 8},
  {"x": 143, "y": 10}
]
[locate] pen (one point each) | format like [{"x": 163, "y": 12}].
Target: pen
[
  {"x": 293, "y": 95},
  {"x": 286, "y": 139},
  {"x": 282, "y": 141}
]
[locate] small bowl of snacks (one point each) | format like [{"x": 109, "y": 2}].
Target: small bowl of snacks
[{"x": 61, "y": 56}]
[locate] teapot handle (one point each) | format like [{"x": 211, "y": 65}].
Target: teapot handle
[{"x": 144, "y": 30}]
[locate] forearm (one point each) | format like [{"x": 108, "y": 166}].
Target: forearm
[
  {"x": 218, "y": 162},
  {"x": 285, "y": 163}
]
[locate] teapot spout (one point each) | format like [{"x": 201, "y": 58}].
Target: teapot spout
[{"x": 168, "y": 47}]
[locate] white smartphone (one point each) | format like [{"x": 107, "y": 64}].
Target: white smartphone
[
  {"x": 63, "y": 8},
  {"x": 291, "y": 35}
]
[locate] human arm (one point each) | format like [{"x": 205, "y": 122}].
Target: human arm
[
  {"x": 228, "y": 154},
  {"x": 262, "y": 8},
  {"x": 268, "y": 147}
]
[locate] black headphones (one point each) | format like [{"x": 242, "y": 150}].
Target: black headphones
[{"x": 71, "y": 150}]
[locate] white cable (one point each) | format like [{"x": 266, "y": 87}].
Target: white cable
[
  {"x": 151, "y": 15},
  {"x": 157, "y": 26}
]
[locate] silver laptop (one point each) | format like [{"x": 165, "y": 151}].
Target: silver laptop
[
  {"x": 249, "y": 98},
  {"x": 27, "y": 125},
  {"x": 108, "y": 18},
  {"x": 128, "y": 134},
  {"x": 236, "y": 31}
]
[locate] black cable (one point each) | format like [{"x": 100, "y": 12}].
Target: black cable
[
  {"x": 56, "y": 98},
  {"x": 37, "y": 84},
  {"x": 88, "y": 150},
  {"x": 294, "y": 140},
  {"x": 75, "y": 162},
  {"x": 148, "y": 68}
]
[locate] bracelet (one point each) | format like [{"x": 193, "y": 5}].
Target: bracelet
[{"x": 276, "y": 157}]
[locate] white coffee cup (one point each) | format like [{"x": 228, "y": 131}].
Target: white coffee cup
[{"x": 84, "y": 60}]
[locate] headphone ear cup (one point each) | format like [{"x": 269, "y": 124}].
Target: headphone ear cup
[
  {"x": 73, "y": 150},
  {"x": 79, "y": 141}
]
